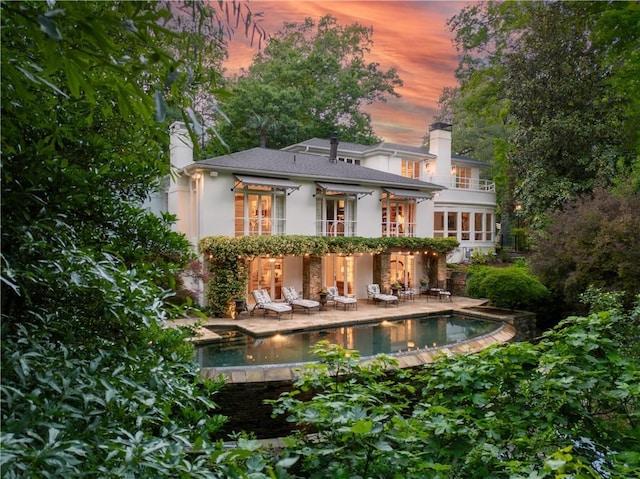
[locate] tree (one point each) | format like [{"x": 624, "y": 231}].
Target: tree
[
  {"x": 593, "y": 241},
  {"x": 559, "y": 73},
  {"x": 92, "y": 383},
  {"x": 568, "y": 117},
  {"x": 309, "y": 81}
]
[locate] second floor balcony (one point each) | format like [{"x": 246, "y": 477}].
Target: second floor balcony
[
  {"x": 463, "y": 183},
  {"x": 336, "y": 228}
]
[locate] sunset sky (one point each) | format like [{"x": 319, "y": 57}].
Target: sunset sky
[{"x": 411, "y": 36}]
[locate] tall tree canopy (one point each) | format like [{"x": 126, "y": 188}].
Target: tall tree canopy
[
  {"x": 560, "y": 76},
  {"x": 310, "y": 80}
]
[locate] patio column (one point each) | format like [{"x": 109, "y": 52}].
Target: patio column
[
  {"x": 382, "y": 270},
  {"x": 311, "y": 276},
  {"x": 442, "y": 270}
]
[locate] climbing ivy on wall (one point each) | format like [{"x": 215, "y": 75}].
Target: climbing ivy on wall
[{"x": 225, "y": 256}]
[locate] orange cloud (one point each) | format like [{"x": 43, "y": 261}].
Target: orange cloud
[{"x": 410, "y": 36}]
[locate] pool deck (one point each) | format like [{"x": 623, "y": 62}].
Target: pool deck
[{"x": 259, "y": 325}]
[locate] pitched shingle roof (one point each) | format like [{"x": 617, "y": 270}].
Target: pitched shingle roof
[
  {"x": 364, "y": 150},
  {"x": 279, "y": 163},
  {"x": 346, "y": 147}
]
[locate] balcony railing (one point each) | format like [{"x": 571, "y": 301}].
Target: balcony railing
[
  {"x": 463, "y": 183},
  {"x": 259, "y": 227},
  {"x": 393, "y": 228},
  {"x": 335, "y": 228}
]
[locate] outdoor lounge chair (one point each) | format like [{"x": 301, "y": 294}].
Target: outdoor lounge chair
[
  {"x": 292, "y": 297},
  {"x": 264, "y": 302},
  {"x": 373, "y": 292},
  {"x": 346, "y": 301}
]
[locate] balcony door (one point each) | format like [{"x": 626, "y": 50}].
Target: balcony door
[
  {"x": 398, "y": 217},
  {"x": 335, "y": 215},
  {"x": 259, "y": 213}
]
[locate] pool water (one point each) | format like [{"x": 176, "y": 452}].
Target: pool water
[{"x": 388, "y": 337}]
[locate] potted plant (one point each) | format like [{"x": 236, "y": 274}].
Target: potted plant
[
  {"x": 395, "y": 287},
  {"x": 323, "y": 298},
  {"x": 424, "y": 282}
]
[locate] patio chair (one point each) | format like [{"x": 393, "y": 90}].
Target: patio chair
[
  {"x": 292, "y": 297},
  {"x": 407, "y": 294},
  {"x": 440, "y": 293},
  {"x": 373, "y": 292},
  {"x": 346, "y": 301},
  {"x": 264, "y": 302}
]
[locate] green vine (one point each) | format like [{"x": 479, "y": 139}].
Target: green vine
[{"x": 226, "y": 257}]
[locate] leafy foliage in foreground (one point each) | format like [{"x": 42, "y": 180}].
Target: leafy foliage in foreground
[
  {"x": 566, "y": 407},
  {"x": 92, "y": 384}
]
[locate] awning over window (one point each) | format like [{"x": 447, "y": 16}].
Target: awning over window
[
  {"x": 276, "y": 183},
  {"x": 345, "y": 189},
  {"x": 409, "y": 194}
]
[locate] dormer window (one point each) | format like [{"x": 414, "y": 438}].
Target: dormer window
[{"x": 351, "y": 161}]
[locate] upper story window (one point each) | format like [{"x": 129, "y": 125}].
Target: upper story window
[
  {"x": 462, "y": 177},
  {"x": 335, "y": 215},
  {"x": 259, "y": 212},
  {"x": 410, "y": 169},
  {"x": 351, "y": 161},
  {"x": 336, "y": 208},
  {"x": 260, "y": 205},
  {"x": 464, "y": 225},
  {"x": 398, "y": 217}
]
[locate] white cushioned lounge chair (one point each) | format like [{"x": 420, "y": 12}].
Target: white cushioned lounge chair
[
  {"x": 292, "y": 297},
  {"x": 264, "y": 302},
  {"x": 346, "y": 301},
  {"x": 373, "y": 292}
]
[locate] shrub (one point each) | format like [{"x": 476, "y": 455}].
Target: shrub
[
  {"x": 513, "y": 287},
  {"x": 593, "y": 241}
]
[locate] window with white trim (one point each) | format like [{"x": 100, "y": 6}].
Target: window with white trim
[
  {"x": 462, "y": 177},
  {"x": 335, "y": 214},
  {"x": 398, "y": 217},
  {"x": 259, "y": 211},
  {"x": 410, "y": 169}
]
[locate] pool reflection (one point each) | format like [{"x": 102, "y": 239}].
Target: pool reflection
[{"x": 387, "y": 337}]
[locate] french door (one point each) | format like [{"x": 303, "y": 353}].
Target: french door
[
  {"x": 266, "y": 273},
  {"x": 339, "y": 271}
]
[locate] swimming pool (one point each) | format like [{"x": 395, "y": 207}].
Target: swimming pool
[{"x": 388, "y": 337}]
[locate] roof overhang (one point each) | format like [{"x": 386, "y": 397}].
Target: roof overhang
[
  {"x": 409, "y": 194},
  {"x": 345, "y": 189},
  {"x": 275, "y": 183}
]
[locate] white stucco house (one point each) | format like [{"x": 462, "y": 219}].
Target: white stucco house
[{"x": 325, "y": 187}]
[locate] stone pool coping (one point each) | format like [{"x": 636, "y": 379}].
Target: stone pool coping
[
  {"x": 408, "y": 359},
  {"x": 260, "y": 326}
]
